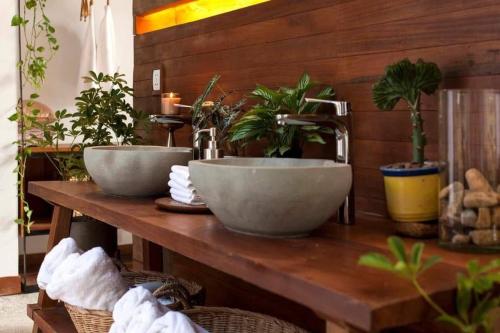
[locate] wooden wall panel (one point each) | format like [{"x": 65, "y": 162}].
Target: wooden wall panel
[{"x": 345, "y": 43}]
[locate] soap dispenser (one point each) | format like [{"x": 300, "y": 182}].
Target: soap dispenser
[{"x": 212, "y": 152}]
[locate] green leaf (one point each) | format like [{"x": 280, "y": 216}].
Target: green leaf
[
  {"x": 14, "y": 117},
  {"x": 464, "y": 297},
  {"x": 304, "y": 82},
  {"x": 16, "y": 21},
  {"x": 376, "y": 260},
  {"x": 396, "y": 245},
  {"x": 429, "y": 262},
  {"x": 416, "y": 254},
  {"x": 315, "y": 137}
]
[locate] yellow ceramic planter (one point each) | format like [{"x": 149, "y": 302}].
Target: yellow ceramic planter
[{"x": 412, "y": 194}]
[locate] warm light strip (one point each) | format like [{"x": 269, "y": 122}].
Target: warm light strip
[{"x": 184, "y": 11}]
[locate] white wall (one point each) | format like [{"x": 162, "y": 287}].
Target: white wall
[
  {"x": 61, "y": 85},
  {"x": 62, "y": 82},
  {"x": 8, "y": 133}
]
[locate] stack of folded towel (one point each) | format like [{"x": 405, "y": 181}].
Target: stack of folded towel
[
  {"x": 181, "y": 187},
  {"x": 138, "y": 311}
]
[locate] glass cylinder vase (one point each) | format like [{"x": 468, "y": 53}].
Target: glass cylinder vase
[{"x": 469, "y": 148}]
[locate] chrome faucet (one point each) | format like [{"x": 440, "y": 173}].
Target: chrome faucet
[{"x": 341, "y": 122}]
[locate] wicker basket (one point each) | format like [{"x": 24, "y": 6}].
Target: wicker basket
[
  {"x": 99, "y": 321},
  {"x": 227, "y": 320}
]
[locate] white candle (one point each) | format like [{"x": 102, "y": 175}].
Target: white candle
[{"x": 168, "y": 101}]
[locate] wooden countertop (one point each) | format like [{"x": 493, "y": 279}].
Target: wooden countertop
[{"x": 320, "y": 272}]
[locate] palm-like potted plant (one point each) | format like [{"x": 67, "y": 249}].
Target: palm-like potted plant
[
  {"x": 260, "y": 122},
  {"x": 411, "y": 187}
]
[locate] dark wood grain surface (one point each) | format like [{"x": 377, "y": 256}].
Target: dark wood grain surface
[
  {"x": 319, "y": 272},
  {"x": 345, "y": 43}
]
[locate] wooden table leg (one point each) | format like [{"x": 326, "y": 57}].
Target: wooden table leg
[
  {"x": 146, "y": 255},
  {"x": 59, "y": 228}
]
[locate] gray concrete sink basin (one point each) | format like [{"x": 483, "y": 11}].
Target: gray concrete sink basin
[
  {"x": 271, "y": 197},
  {"x": 133, "y": 171}
]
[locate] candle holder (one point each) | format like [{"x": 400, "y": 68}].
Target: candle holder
[{"x": 168, "y": 103}]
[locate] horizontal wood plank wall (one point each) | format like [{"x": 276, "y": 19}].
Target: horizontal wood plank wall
[{"x": 345, "y": 43}]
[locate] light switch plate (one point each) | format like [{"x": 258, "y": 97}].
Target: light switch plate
[{"x": 156, "y": 78}]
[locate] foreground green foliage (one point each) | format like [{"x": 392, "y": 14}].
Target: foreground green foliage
[
  {"x": 475, "y": 290},
  {"x": 406, "y": 80},
  {"x": 260, "y": 122}
]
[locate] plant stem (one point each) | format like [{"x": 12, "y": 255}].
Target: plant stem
[
  {"x": 418, "y": 135},
  {"x": 436, "y": 307}
]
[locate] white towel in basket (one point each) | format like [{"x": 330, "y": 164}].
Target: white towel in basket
[
  {"x": 144, "y": 316},
  {"x": 90, "y": 281},
  {"x": 54, "y": 258},
  {"x": 175, "y": 322}
]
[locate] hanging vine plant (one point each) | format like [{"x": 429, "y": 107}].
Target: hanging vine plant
[{"x": 37, "y": 35}]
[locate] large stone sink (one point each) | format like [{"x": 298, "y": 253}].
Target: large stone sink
[
  {"x": 134, "y": 171},
  {"x": 271, "y": 197}
]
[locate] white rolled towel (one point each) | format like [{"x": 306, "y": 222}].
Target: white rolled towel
[
  {"x": 182, "y": 171},
  {"x": 125, "y": 307},
  {"x": 90, "y": 281},
  {"x": 144, "y": 316},
  {"x": 175, "y": 322},
  {"x": 54, "y": 258},
  {"x": 189, "y": 190}
]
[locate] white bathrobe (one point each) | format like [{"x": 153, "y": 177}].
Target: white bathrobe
[
  {"x": 106, "y": 45},
  {"x": 90, "y": 280},
  {"x": 54, "y": 258}
]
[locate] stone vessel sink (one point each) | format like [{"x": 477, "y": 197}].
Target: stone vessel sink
[
  {"x": 133, "y": 171},
  {"x": 271, "y": 197}
]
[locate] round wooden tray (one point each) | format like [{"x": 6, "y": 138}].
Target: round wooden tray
[{"x": 179, "y": 207}]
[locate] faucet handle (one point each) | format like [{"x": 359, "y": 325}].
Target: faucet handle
[{"x": 342, "y": 108}]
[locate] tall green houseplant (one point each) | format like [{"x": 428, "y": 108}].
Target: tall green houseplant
[
  {"x": 407, "y": 81},
  {"x": 260, "y": 122}
]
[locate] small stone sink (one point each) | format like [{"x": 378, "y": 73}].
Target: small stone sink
[
  {"x": 271, "y": 197},
  {"x": 133, "y": 171}
]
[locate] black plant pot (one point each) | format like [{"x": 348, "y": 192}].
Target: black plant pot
[{"x": 89, "y": 232}]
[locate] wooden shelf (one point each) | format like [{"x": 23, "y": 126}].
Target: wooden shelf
[
  {"x": 66, "y": 148},
  {"x": 51, "y": 320}
]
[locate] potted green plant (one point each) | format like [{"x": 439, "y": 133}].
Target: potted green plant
[
  {"x": 260, "y": 122},
  {"x": 411, "y": 187},
  {"x": 217, "y": 114},
  {"x": 103, "y": 117}
]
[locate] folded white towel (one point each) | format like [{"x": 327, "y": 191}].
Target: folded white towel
[
  {"x": 179, "y": 179},
  {"x": 175, "y": 322},
  {"x": 126, "y": 306},
  {"x": 190, "y": 199},
  {"x": 181, "y": 171},
  {"x": 144, "y": 316},
  {"x": 187, "y": 189},
  {"x": 90, "y": 280},
  {"x": 54, "y": 258}
]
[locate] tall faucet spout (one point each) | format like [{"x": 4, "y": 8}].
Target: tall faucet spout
[{"x": 340, "y": 121}]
